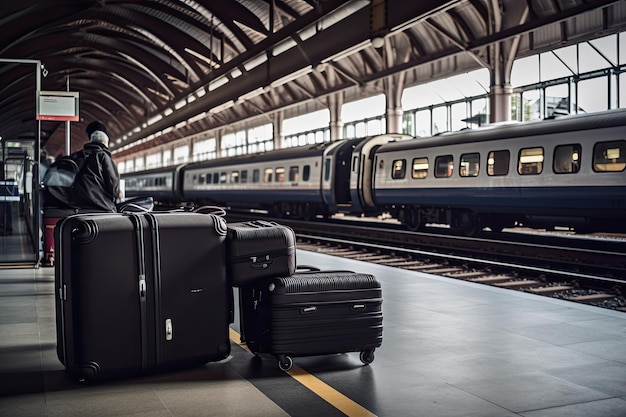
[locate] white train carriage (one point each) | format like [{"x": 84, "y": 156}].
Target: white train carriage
[
  {"x": 282, "y": 182},
  {"x": 162, "y": 184},
  {"x": 564, "y": 172}
]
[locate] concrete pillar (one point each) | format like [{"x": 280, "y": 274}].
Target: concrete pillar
[
  {"x": 500, "y": 103},
  {"x": 218, "y": 142},
  {"x": 170, "y": 152},
  {"x": 394, "y": 86},
  {"x": 394, "y": 120},
  {"x": 277, "y": 124},
  {"x": 335, "y": 102},
  {"x": 190, "y": 154}
]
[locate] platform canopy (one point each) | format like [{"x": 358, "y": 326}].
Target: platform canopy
[{"x": 167, "y": 69}]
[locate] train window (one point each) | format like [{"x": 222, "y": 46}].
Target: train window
[
  {"x": 327, "y": 165},
  {"x": 306, "y": 172},
  {"x": 530, "y": 161},
  {"x": 234, "y": 177},
  {"x": 470, "y": 165},
  {"x": 294, "y": 174},
  {"x": 566, "y": 159},
  {"x": 444, "y": 165},
  {"x": 222, "y": 178},
  {"x": 355, "y": 163},
  {"x": 398, "y": 169},
  {"x": 216, "y": 178},
  {"x": 280, "y": 174},
  {"x": 420, "y": 168},
  {"x": 609, "y": 156},
  {"x": 244, "y": 176},
  {"x": 194, "y": 179},
  {"x": 498, "y": 163},
  {"x": 201, "y": 179},
  {"x": 267, "y": 175}
]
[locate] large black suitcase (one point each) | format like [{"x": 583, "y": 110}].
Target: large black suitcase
[
  {"x": 312, "y": 313},
  {"x": 138, "y": 293},
  {"x": 259, "y": 249}
]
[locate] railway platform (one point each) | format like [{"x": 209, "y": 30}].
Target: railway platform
[{"x": 450, "y": 348}]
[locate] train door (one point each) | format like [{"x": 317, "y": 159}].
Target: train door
[
  {"x": 336, "y": 176},
  {"x": 362, "y": 180}
]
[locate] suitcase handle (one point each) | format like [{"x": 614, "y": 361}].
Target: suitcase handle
[
  {"x": 216, "y": 210},
  {"x": 308, "y": 310}
]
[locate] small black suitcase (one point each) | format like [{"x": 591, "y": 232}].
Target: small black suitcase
[
  {"x": 138, "y": 293},
  {"x": 259, "y": 249},
  {"x": 312, "y": 313}
]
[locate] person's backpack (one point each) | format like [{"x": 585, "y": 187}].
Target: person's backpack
[{"x": 58, "y": 180}]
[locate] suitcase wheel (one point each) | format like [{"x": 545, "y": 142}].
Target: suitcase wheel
[
  {"x": 285, "y": 362},
  {"x": 367, "y": 356}
]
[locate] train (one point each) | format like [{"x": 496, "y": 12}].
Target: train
[{"x": 567, "y": 172}]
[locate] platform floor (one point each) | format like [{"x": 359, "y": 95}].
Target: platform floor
[{"x": 449, "y": 349}]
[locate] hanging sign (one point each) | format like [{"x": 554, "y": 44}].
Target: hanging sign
[{"x": 58, "y": 106}]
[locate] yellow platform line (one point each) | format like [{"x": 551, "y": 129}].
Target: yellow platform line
[{"x": 320, "y": 388}]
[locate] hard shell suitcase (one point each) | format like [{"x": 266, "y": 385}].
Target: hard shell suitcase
[
  {"x": 138, "y": 293},
  {"x": 312, "y": 313},
  {"x": 259, "y": 249}
]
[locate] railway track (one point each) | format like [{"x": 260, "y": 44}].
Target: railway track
[{"x": 581, "y": 270}]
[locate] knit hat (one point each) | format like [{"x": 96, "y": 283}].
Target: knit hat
[
  {"x": 100, "y": 136},
  {"x": 93, "y": 126}
]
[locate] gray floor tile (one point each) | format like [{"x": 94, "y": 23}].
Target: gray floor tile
[
  {"x": 530, "y": 391},
  {"x": 608, "y": 377},
  {"x": 612, "y": 407},
  {"x": 565, "y": 334},
  {"x": 438, "y": 400},
  {"x": 611, "y": 349}
]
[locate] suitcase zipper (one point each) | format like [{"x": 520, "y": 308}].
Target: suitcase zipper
[
  {"x": 156, "y": 268},
  {"x": 136, "y": 220}
]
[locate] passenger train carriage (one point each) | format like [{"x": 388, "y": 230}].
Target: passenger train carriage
[
  {"x": 566, "y": 172},
  {"x": 562, "y": 172},
  {"x": 162, "y": 184},
  {"x": 282, "y": 181}
]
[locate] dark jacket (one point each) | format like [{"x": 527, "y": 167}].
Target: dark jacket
[{"x": 97, "y": 184}]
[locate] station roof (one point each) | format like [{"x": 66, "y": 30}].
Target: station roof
[{"x": 167, "y": 69}]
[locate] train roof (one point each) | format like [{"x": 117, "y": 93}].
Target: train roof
[
  {"x": 274, "y": 155},
  {"x": 167, "y": 169},
  {"x": 496, "y": 132}
]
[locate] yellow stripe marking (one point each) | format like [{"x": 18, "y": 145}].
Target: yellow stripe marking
[{"x": 320, "y": 388}]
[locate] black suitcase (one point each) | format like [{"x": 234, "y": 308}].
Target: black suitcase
[
  {"x": 138, "y": 293},
  {"x": 312, "y": 313},
  {"x": 259, "y": 249}
]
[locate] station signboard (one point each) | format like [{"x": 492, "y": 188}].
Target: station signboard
[{"x": 58, "y": 106}]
